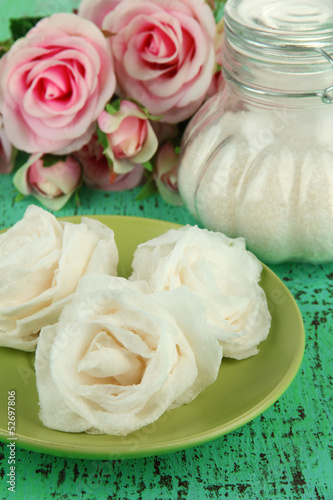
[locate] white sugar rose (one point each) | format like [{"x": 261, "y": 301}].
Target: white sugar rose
[
  {"x": 120, "y": 356},
  {"x": 41, "y": 263},
  {"x": 221, "y": 272}
]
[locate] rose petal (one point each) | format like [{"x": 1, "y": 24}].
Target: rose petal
[
  {"x": 158, "y": 361},
  {"x": 221, "y": 273},
  {"x": 41, "y": 263}
]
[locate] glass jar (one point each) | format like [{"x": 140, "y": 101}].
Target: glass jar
[{"x": 257, "y": 158}]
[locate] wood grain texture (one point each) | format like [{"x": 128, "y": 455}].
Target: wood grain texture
[{"x": 284, "y": 454}]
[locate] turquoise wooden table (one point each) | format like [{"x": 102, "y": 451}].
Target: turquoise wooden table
[{"x": 284, "y": 454}]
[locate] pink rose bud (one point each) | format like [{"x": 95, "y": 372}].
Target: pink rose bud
[
  {"x": 54, "y": 83},
  {"x": 98, "y": 174},
  {"x": 166, "y": 174},
  {"x": 7, "y": 152},
  {"x": 164, "y": 54},
  {"x": 52, "y": 186},
  {"x": 131, "y": 138}
]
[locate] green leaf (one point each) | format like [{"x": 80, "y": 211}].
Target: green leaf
[
  {"x": 77, "y": 197},
  {"x": 102, "y": 139},
  {"x": 148, "y": 166},
  {"x": 19, "y": 197},
  {"x": 219, "y": 9},
  {"x": 113, "y": 107},
  {"x": 5, "y": 45},
  {"x": 153, "y": 118},
  {"x": 148, "y": 190},
  {"x": 177, "y": 150},
  {"x": 20, "y": 27},
  {"x": 20, "y": 159},
  {"x": 49, "y": 159},
  {"x": 110, "y": 161}
]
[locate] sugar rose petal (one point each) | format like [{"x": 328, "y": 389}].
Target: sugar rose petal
[
  {"x": 221, "y": 272},
  {"x": 120, "y": 356},
  {"x": 41, "y": 263}
]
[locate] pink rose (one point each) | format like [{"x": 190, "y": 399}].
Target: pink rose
[
  {"x": 166, "y": 174},
  {"x": 131, "y": 138},
  {"x": 7, "y": 152},
  {"x": 96, "y": 10},
  {"x": 98, "y": 174},
  {"x": 55, "y": 82},
  {"x": 163, "y": 53},
  {"x": 52, "y": 186}
]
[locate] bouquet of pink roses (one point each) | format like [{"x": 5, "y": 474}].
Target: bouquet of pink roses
[{"x": 102, "y": 96}]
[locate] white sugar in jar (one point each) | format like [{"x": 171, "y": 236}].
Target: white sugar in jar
[{"x": 257, "y": 158}]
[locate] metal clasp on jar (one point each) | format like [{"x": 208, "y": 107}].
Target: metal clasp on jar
[{"x": 325, "y": 95}]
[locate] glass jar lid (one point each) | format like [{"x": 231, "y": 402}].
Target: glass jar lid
[
  {"x": 279, "y": 23},
  {"x": 280, "y": 46}
]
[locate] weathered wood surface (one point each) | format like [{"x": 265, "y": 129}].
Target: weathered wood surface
[{"x": 286, "y": 453}]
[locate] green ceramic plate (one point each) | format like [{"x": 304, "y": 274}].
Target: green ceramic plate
[{"x": 243, "y": 390}]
